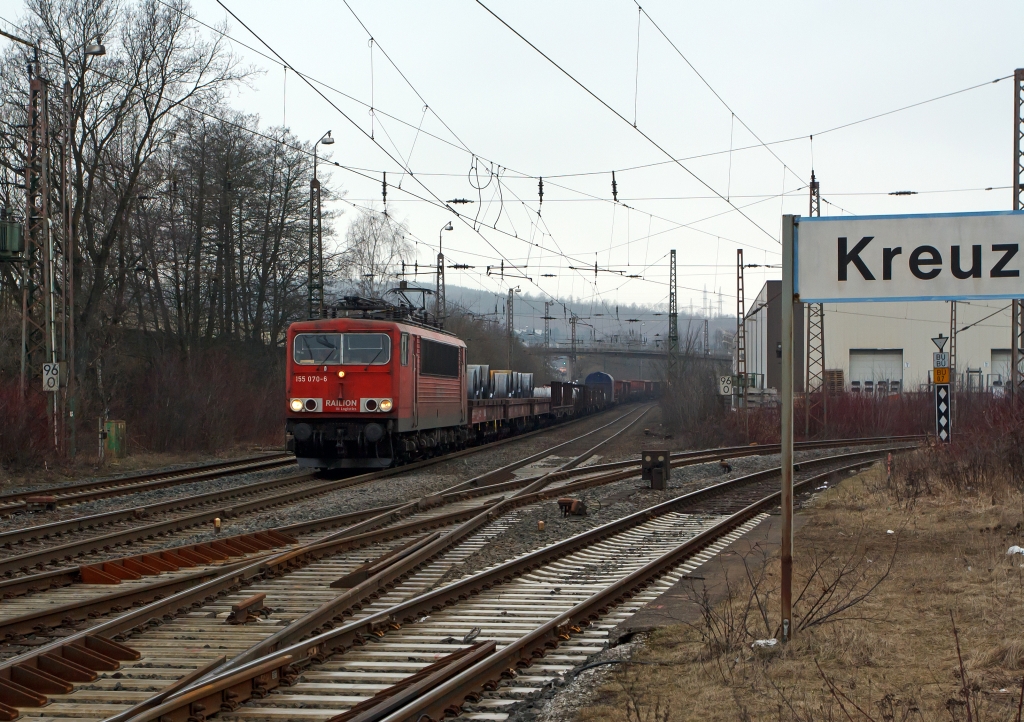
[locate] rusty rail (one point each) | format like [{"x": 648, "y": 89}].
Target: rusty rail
[
  {"x": 77, "y": 493},
  {"x": 354, "y": 634}
]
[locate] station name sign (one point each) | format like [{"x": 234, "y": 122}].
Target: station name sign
[{"x": 952, "y": 256}]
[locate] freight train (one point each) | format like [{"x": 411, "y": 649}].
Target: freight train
[{"x": 379, "y": 385}]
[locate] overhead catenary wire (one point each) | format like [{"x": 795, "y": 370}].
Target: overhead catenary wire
[
  {"x": 297, "y": 148},
  {"x": 439, "y": 202},
  {"x": 622, "y": 118},
  {"x": 641, "y": 12}
]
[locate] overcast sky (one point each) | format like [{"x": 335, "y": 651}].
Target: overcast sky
[{"x": 787, "y": 70}]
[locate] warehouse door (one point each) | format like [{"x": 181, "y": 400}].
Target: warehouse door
[
  {"x": 1000, "y": 373},
  {"x": 876, "y": 370}
]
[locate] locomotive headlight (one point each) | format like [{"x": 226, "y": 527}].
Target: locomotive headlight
[
  {"x": 341, "y": 374},
  {"x": 295, "y": 405},
  {"x": 385, "y": 405}
]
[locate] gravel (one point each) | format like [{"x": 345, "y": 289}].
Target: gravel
[
  {"x": 604, "y": 504},
  {"x": 562, "y": 700}
]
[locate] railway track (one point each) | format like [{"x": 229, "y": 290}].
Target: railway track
[
  {"x": 78, "y": 493},
  {"x": 537, "y": 616},
  {"x": 65, "y": 604},
  {"x": 418, "y": 557},
  {"x": 180, "y": 531},
  {"x": 61, "y": 604},
  {"x": 153, "y": 526}
]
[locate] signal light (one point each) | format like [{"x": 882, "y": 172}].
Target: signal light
[
  {"x": 296, "y": 405},
  {"x": 341, "y": 374},
  {"x": 385, "y": 405},
  {"x": 371, "y": 405}
]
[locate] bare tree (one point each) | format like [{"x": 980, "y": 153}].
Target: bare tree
[{"x": 375, "y": 247}]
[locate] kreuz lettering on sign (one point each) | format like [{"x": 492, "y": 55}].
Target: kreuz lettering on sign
[{"x": 906, "y": 258}]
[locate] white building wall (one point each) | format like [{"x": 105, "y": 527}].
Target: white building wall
[
  {"x": 756, "y": 325},
  {"x": 910, "y": 327}
]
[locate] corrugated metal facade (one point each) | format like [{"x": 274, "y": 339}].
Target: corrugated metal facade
[{"x": 867, "y": 341}]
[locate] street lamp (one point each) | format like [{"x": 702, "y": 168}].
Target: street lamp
[
  {"x": 89, "y": 49},
  {"x": 97, "y": 48},
  {"x": 315, "y": 282},
  {"x": 439, "y": 300}
]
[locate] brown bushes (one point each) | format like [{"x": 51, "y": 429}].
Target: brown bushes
[
  {"x": 212, "y": 399},
  {"x": 23, "y": 425},
  {"x": 209, "y": 399}
]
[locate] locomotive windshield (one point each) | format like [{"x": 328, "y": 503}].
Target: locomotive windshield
[
  {"x": 372, "y": 349},
  {"x": 332, "y": 349}
]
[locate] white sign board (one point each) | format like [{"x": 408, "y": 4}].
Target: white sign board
[
  {"x": 940, "y": 360},
  {"x": 948, "y": 256},
  {"x": 725, "y": 385},
  {"x": 51, "y": 377}
]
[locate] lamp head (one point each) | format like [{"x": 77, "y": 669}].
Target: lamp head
[
  {"x": 327, "y": 139},
  {"x": 97, "y": 48},
  {"x": 448, "y": 227}
]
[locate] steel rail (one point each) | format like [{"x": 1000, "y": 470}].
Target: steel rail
[
  {"x": 354, "y": 634},
  {"x": 378, "y": 516},
  {"x": 235, "y": 575},
  {"x": 64, "y": 577},
  {"x": 449, "y": 696},
  {"x": 67, "y": 552},
  {"x": 365, "y": 592},
  {"x": 79, "y": 492}
]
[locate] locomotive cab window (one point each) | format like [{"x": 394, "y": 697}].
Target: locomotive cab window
[
  {"x": 370, "y": 349},
  {"x": 332, "y": 349},
  {"x": 405, "y": 349},
  {"x": 317, "y": 349}
]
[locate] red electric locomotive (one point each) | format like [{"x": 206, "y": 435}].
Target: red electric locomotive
[
  {"x": 380, "y": 384},
  {"x": 371, "y": 392}
]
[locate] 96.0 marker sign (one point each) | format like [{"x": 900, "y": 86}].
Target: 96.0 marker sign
[{"x": 52, "y": 377}]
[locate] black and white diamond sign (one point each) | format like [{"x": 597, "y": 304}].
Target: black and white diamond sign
[{"x": 943, "y": 422}]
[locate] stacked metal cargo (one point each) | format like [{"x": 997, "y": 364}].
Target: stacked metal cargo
[{"x": 478, "y": 381}]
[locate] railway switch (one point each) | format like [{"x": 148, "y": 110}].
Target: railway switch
[{"x": 655, "y": 466}]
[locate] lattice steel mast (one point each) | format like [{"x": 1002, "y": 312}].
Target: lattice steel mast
[
  {"x": 1016, "y": 325},
  {"x": 509, "y": 325},
  {"x": 815, "y": 392},
  {"x": 38, "y": 334},
  {"x": 315, "y": 299},
  {"x": 572, "y": 354},
  {"x": 547, "y": 324},
  {"x": 741, "y": 336},
  {"x": 673, "y": 319}
]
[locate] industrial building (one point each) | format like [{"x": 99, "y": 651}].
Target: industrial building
[{"x": 880, "y": 347}]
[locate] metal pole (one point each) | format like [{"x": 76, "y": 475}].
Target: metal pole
[
  {"x": 741, "y": 333},
  {"x": 673, "y": 320},
  {"x": 547, "y": 326},
  {"x": 1018, "y": 188},
  {"x": 312, "y": 211},
  {"x": 70, "y": 247},
  {"x": 319, "y": 254},
  {"x": 510, "y": 326},
  {"x": 572, "y": 356},
  {"x": 786, "y": 400},
  {"x": 1014, "y": 352}
]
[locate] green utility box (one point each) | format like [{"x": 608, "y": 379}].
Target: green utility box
[
  {"x": 115, "y": 440},
  {"x": 12, "y": 245}
]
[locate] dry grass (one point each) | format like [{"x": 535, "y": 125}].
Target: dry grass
[{"x": 892, "y": 656}]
